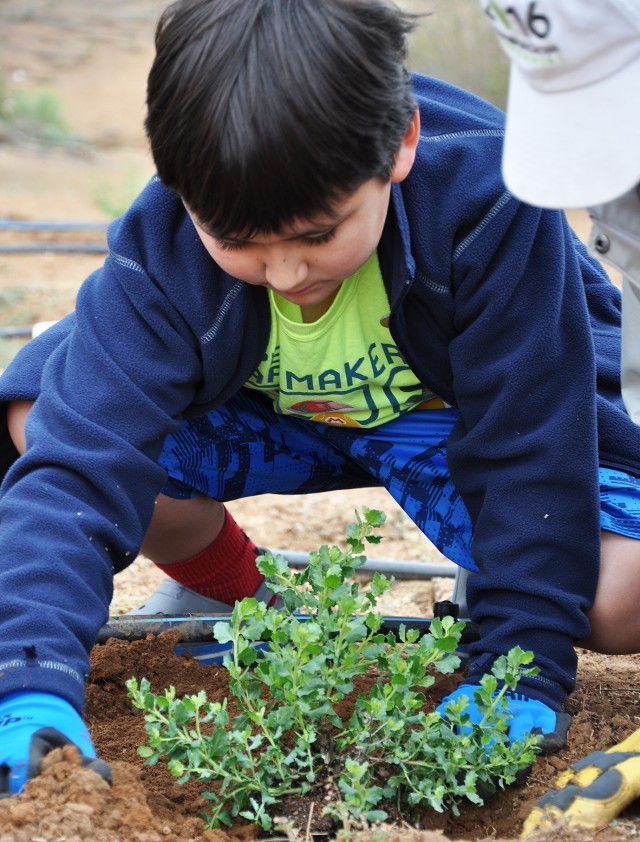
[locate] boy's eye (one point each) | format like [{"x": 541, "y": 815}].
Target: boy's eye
[
  {"x": 323, "y": 238},
  {"x": 230, "y": 245},
  {"x": 236, "y": 245}
]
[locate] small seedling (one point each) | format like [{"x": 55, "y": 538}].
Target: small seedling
[{"x": 289, "y": 734}]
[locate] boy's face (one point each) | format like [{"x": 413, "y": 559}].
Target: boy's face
[{"x": 307, "y": 263}]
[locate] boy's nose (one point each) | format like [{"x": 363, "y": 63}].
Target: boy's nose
[{"x": 287, "y": 273}]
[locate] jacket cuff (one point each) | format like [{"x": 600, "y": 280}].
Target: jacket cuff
[{"x": 536, "y": 687}]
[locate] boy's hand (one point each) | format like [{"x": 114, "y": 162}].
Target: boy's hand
[
  {"x": 32, "y": 725},
  {"x": 594, "y": 791},
  {"x": 528, "y": 716}
]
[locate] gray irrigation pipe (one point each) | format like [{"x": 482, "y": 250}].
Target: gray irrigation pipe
[
  {"x": 24, "y": 225},
  {"x": 402, "y": 570},
  {"x": 29, "y": 248},
  {"x": 26, "y": 248},
  {"x": 399, "y": 569},
  {"x": 18, "y": 330}
]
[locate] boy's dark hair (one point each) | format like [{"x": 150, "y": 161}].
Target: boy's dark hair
[{"x": 261, "y": 112}]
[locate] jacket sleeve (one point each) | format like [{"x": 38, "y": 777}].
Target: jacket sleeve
[
  {"x": 524, "y": 452},
  {"x": 75, "y": 507}
]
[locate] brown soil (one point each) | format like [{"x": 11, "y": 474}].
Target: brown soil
[
  {"x": 69, "y": 804},
  {"x": 94, "y": 58}
]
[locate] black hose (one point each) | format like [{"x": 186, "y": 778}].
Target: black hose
[{"x": 198, "y": 628}]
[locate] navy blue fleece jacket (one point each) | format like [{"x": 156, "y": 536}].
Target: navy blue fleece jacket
[{"x": 495, "y": 305}]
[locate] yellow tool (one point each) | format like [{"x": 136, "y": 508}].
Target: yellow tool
[{"x": 594, "y": 791}]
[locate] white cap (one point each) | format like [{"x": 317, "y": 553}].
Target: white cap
[{"x": 573, "y": 113}]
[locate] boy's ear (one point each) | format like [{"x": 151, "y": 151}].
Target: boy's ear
[{"x": 406, "y": 154}]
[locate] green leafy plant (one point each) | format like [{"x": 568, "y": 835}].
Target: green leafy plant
[{"x": 289, "y": 739}]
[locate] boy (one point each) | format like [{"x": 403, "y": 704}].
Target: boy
[{"x": 327, "y": 286}]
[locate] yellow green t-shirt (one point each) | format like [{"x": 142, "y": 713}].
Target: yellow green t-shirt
[{"x": 344, "y": 368}]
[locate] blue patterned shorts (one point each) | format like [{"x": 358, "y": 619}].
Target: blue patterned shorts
[{"x": 244, "y": 449}]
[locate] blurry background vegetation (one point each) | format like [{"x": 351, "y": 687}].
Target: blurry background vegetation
[{"x": 454, "y": 42}]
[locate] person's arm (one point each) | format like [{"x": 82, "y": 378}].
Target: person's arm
[
  {"x": 75, "y": 507},
  {"x": 524, "y": 453},
  {"x": 615, "y": 239}
]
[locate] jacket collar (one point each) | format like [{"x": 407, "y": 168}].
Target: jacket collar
[{"x": 394, "y": 251}]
